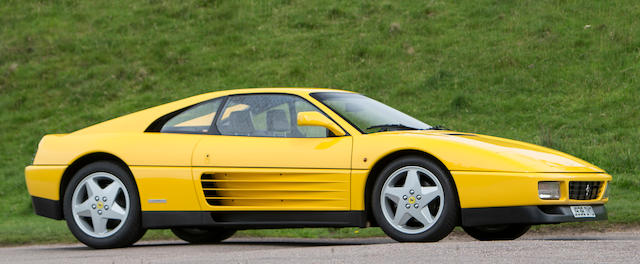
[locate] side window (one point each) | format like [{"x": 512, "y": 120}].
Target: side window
[
  {"x": 195, "y": 120},
  {"x": 266, "y": 115}
]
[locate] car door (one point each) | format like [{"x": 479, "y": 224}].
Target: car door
[
  {"x": 161, "y": 157},
  {"x": 261, "y": 160}
]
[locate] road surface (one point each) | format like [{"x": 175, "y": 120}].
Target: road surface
[{"x": 589, "y": 247}]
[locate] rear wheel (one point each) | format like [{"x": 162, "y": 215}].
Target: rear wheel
[
  {"x": 497, "y": 232},
  {"x": 101, "y": 206},
  {"x": 196, "y": 235},
  {"x": 414, "y": 200}
]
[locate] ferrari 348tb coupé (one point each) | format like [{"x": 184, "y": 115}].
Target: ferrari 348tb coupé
[{"x": 215, "y": 163}]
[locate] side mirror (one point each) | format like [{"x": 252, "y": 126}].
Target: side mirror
[{"x": 318, "y": 119}]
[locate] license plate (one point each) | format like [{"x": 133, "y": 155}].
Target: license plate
[{"x": 583, "y": 211}]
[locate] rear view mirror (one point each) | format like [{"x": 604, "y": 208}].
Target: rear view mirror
[{"x": 318, "y": 119}]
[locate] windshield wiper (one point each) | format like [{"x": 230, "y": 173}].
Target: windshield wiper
[{"x": 386, "y": 127}]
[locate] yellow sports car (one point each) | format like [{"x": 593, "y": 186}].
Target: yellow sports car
[{"x": 215, "y": 163}]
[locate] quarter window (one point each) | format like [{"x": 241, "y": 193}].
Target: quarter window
[{"x": 195, "y": 120}]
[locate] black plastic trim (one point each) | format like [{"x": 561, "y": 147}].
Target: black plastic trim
[
  {"x": 47, "y": 208},
  {"x": 548, "y": 214},
  {"x": 253, "y": 219},
  {"x": 213, "y": 129}
]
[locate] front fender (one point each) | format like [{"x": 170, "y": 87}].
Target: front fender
[{"x": 468, "y": 152}]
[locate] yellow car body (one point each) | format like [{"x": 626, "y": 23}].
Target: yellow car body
[{"x": 181, "y": 177}]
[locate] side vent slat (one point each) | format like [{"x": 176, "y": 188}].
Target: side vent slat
[{"x": 274, "y": 189}]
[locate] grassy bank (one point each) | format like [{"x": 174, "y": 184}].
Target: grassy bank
[{"x": 563, "y": 74}]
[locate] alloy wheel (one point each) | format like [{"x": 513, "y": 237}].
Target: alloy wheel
[
  {"x": 412, "y": 199},
  {"x": 100, "y": 204}
]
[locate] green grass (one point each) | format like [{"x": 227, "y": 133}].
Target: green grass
[{"x": 527, "y": 70}]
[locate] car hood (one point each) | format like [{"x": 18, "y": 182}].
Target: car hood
[{"x": 488, "y": 153}]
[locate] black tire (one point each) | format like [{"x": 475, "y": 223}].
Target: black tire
[
  {"x": 195, "y": 235},
  {"x": 497, "y": 232},
  {"x": 449, "y": 217},
  {"x": 131, "y": 229}
]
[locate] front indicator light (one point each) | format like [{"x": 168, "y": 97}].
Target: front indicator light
[{"x": 549, "y": 190}]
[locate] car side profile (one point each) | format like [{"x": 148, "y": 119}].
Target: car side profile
[{"x": 211, "y": 164}]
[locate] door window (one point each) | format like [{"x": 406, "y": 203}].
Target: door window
[{"x": 266, "y": 115}]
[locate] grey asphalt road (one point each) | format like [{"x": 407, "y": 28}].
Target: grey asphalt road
[{"x": 566, "y": 247}]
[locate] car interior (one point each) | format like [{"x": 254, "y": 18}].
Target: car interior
[{"x": 255, "y": 115}]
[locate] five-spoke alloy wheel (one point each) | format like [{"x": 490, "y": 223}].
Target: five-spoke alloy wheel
[
  {"x": 413, "y": 200},
  {"x": 100, "y": 212},
  {"x": 102, "y": 207}
]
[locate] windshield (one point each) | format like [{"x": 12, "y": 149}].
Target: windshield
[{"x": 368, "y": 115}]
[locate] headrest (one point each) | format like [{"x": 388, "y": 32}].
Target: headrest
[
  {"x": 241, "y": 122},
  {"x": 277, "y": 121}
]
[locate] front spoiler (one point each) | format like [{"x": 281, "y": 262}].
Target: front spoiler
[{"x": 533, "y": 215}]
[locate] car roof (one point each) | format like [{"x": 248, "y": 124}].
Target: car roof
[
  {"x": 291, "y": 90},
  {"x": 140, "y": 120}
]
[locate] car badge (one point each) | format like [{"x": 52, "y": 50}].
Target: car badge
[{"x": 588, "y": 189}]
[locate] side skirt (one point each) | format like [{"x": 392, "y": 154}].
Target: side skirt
[{"x": 253, "y": 219}]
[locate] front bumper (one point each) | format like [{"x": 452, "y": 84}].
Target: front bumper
[
  {"x": 507, "y": 189},
  {"x": 533, "y": 215}
]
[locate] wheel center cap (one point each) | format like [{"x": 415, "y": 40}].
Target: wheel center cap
[
  {"x": 100, "y": 205},
  {"x": 412, "y": 200}
]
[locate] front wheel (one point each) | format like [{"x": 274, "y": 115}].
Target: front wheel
[
  {"x": 414, "y": 200},
  {"x": 497, "y": 232},
  {"x": 196, "y": 235},
  {"x": 101, "y": 206}
]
